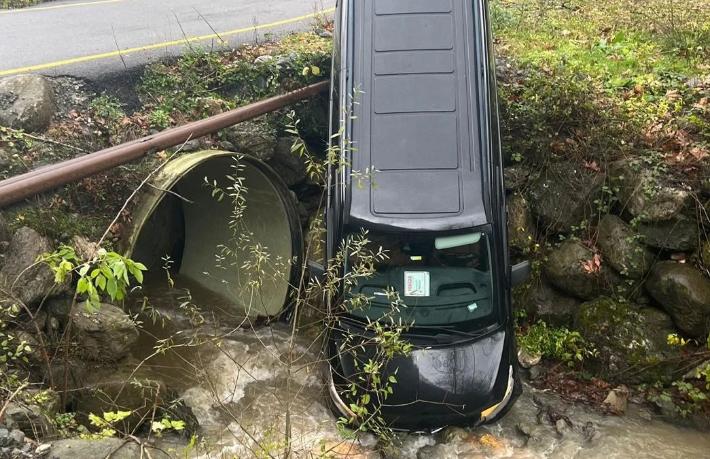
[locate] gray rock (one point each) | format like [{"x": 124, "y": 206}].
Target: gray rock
[
  {"x": 617, "y": 400},
  {"x": 26, "y": 102},
  {"x": 189, "y": 146},
  {"x": 85, "y": 249},
  {"x": 565, "y": 269},
  {"x": 263, "y": 59},
  {"x": 620, "y": 247},
  {"x": 684, "y": 292},
  {"x": 547, "y": 304},
  {"x": 563, "y": 196},
  {"x": 627, "y": 338},
  {"x": 30, "y": 285},
  {"x": 289, "y": 166},
  {"x": 527, "y": 359},
  {"x": 32, "y": 420},
  {"x": 521, "y": 227},
  {"x": 115, "y": 448},
  {"x": 644, "y": 194},
  {"x": 679, "y": 234},
  {"x": 104, "y": 335},
  {"x": 253, "y": 138}
]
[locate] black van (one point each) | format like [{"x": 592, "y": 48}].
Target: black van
[{"x": 415, "y": 122}]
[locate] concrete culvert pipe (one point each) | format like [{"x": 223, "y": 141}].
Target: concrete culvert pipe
[{"x": 250, "y": 258}]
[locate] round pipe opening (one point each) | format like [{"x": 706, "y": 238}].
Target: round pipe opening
[{"x": 227, "y": 224}]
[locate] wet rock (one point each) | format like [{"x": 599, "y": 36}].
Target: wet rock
[
  {"x": 289, "y": 166},
  {"x": 344, "y": 449},
  {"x": 33, "y": 420},
  {"x": 528, "y": 359},
  {"x": 106, "y": 334},
  {"x": 438, "y": 451},
  {"x": 26, "y": 102},
  {"x": 617, "y": 400},
  {"x": 115, "y": 448},
  {"x": 571, "y": 268},
  {"x": 679, "y": 234},
  {"x": 129, "y": 388},
  {"x": 30, "y": 285},
  {"x": 644, "y": 195},
  {"x": 521, "y": 226},
  {"x": 561, "y": 427},
  {"x": 454, "y": 434},
  {"x": 563, "y": 196},
  {"x": 620, "y": 247},
  {"x": 257, "y": 139},
  {"x": 547, "y": 304},
  {"x": 628, "y": 338},
  {"x": 684, "y": 292}
]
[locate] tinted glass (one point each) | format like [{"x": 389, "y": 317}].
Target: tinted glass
[{"x": 440, "y": 279}]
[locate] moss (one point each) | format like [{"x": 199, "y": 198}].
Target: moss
[
  {"x": 630, "y": 341},
  {"x": 57, "y": 224}
]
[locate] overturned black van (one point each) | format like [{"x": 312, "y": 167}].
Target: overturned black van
[{"x": 414, "y": 111}]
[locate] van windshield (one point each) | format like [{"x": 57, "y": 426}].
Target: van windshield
[{"x": 443, "y": 280}]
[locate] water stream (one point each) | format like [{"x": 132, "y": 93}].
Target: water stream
[{"x": 240, "y": 388}]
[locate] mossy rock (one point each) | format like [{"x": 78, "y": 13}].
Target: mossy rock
[
  {"x": 631, "y": 342},
  {"x": 565, "y": 269},
  {"x": 621, "y": 248},
  {"x": 684, "y": 292}
]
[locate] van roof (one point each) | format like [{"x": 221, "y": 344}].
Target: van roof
[{"x": 416, "y": 133}]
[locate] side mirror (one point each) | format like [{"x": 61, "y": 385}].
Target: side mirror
[
  {"x": 519, "y": 273},
  {"x": 316, "y": 271}
]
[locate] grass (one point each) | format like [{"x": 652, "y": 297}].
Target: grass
[
  {"x": 12, "y": 4},
  {"x": 598, "y": 80}
]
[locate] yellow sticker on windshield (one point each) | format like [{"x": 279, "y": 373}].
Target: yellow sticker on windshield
[{"x": 416, "y": 283}]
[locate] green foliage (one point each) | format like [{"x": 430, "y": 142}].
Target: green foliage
[
  {"x": 7, "y": 4},
  {"x": 107, "y": 108},
  {"x": 556, "y": 343},
  {"x": 231, "y": 78},
  {"x": 165, "y": 425},
  {"x": 107, "y": 274},
  {"x": 106, "y": 424}
]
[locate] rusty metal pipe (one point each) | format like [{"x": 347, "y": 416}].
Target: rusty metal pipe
[{"x": 46, "y": 178}]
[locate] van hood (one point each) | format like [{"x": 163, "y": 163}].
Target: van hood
[{"x": 439, "y": 385}]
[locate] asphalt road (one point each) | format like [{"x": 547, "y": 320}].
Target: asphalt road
[{"x": 94, "y": 38}]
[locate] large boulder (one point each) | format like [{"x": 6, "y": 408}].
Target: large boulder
[
  {"x": 678, "y": 234},
  {"x": 31, "y": 285},
  {"x": 253, "y": 138},
  {"x": 26, "y": 102},
  {"x": 547, "y": 304},
  {"x": 684, "y": 292},
  {"x": 564, "y": 195},
  {"x": 105, "y": 334},
  {"x": 621, "y": 248},
  {"x": 288, "y": 165},
  {"x": 644, "y": 194},
  {"x": 521, "y": 227},
  {"x": 631, "y": 342},
  {"x": 115, "y": 448},
  {"x": 572, "y": 268}
]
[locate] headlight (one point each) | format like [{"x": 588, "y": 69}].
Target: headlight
[{"x": 491, "y": 412}]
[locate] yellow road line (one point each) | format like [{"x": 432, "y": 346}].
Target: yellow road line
[
  {"x": 56, "y": 7},
  {"x": 183, "y": 41}
]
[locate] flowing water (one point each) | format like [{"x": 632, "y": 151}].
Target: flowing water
[{"x": 243, "y": 393}]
